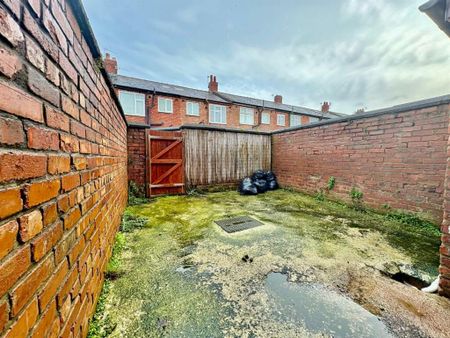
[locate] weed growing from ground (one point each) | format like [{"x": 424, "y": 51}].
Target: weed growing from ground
[
  {"x": 413, "y": 220},
  {"x": 320, "y": 196},
  {"x": 101, "y": 325},
  {"x": 357, "y": 198},
  {"x": 131, "y": 222},
  {"x": 136, "y": 194},
  {"x": 331, "y": 183}
]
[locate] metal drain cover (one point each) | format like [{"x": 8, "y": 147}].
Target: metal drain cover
[{"x": 238, "y": 223}]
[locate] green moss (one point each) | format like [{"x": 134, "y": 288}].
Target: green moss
[
  {"x": 112, "y": 269},
  {"x": 151, "y": 298},
  {"x": 101, "y": 326}
]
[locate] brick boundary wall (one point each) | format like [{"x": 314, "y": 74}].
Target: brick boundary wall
[
  {"x": 137, "y": 156},
  {"x": 394, "y": 158},
  {"x": 444, "y": 250},
  {"x": 63, "y": 175},
  {"x": 398, "y": 157}
]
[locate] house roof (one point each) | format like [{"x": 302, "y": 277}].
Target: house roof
[
  {"x": 158, "y": 87},
  {"x": 270, "y": 104},
  {"x": 164, "y": 88}
]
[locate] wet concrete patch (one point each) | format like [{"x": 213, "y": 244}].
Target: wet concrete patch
[{"x": 321, "y": 310}]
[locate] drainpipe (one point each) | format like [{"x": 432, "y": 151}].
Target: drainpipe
[{"x": 259, "y": 110}]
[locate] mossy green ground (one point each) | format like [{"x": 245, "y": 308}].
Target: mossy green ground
[{"x": 182, "y": 276}]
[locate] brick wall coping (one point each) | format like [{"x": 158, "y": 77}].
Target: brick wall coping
[
  {"x": 436, "y": 101},
  {"x": 86, "y": 29}
]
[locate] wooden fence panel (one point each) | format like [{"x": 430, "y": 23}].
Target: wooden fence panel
[{"x": 222, "y": 157}]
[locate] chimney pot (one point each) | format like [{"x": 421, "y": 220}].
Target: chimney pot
[
  {"x": 110, "y": 64},
  {"x": 213, "y": 85},
  {"x": 278, "y": 99}
]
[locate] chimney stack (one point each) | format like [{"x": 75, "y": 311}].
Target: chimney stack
[
  {"x": 110, "y": 64},
  {"x": 213, "y": 86},
  {"x": 326, "y": 107},
  {"x": 278, "y": 99}
]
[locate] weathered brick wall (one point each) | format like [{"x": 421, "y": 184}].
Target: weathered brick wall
[
  {"x": 444, "y": 268},
  {"x": 398, "y": 159},
  {"x": 63, "y": 176},
  {"x": 137, "y": 155}
]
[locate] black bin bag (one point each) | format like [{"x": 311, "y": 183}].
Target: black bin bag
[
  {"x": 246, "y": 187},
  {"x": 261, "y": 185},
  {"x": 258, "y": 175},
  {"x": 271, "y": 180}
]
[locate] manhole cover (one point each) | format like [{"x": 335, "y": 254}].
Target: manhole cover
[{"x": 238, "y": 223}]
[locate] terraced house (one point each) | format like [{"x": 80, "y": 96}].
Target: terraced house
[{"x": 163, "y": 105}]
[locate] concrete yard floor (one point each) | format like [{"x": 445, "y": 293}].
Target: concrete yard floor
[{"x": 317, "y": 269}]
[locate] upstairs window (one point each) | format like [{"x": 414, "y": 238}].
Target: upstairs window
[
  {"x": 217, "y": 114},
  {"x": 246, "y": 116},
  {"x": 165, "y": 105},
  {"x": 192, "y": 108},
  {"x": 313, "y": 119},
  {"x": 296, "y": 120},
  {"x": 132, "y": 103},
  {"x": 281, "y": 120},
  {"x": 265, "y": 118}
]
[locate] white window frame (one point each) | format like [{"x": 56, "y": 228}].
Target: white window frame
[
  {"x": 190, "y": 108},
  {"x": 281, "y": 120},
  {"x": 267, "y": 115},
  {"x": 313, "y": 119},
  {"x": 163, "y": 105},
  {"x": 247, "y": 116},
  {"x": 292, "y": 122},
  {"x": 215, "y": 109},
  {"x": 137, "y": 98}
]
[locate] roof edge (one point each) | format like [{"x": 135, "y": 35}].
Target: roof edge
[{"x": 422, "y": 104}]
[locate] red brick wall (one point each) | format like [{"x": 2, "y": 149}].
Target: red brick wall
[
  {"x": 63, "y": 178},
  {"x": 179, "y": 116},
  {"x": 444, "y": 269},
  {"x": 395, "y": 159},
  {"x": 137, "y": 155}
]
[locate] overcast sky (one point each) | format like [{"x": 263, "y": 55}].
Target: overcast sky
[{"x": 354, "y": 53}]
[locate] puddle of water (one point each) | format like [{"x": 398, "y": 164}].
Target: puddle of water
[{"x": 321, "y": 310}]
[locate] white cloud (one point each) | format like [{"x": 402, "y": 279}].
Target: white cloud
[{"x": 376, "y": 54}]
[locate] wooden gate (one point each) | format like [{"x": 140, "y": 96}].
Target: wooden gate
[{"x": 165, "y": 163}]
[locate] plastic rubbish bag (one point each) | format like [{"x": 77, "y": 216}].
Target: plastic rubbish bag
[
  {"x": 273, "y": 185},
  {"x": 258, "y": 175},
  {"x": 261, "y": 185},
  {"x": 246, "y": 187},
  {"x": 271, "y": 180}
]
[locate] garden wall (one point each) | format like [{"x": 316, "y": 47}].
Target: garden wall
[
  {"x": 222, "y": 156},
  {"x": 63, "y": 175},
  {"x": 395, "y": 157},
  {"x": 137, "y": 155}
]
